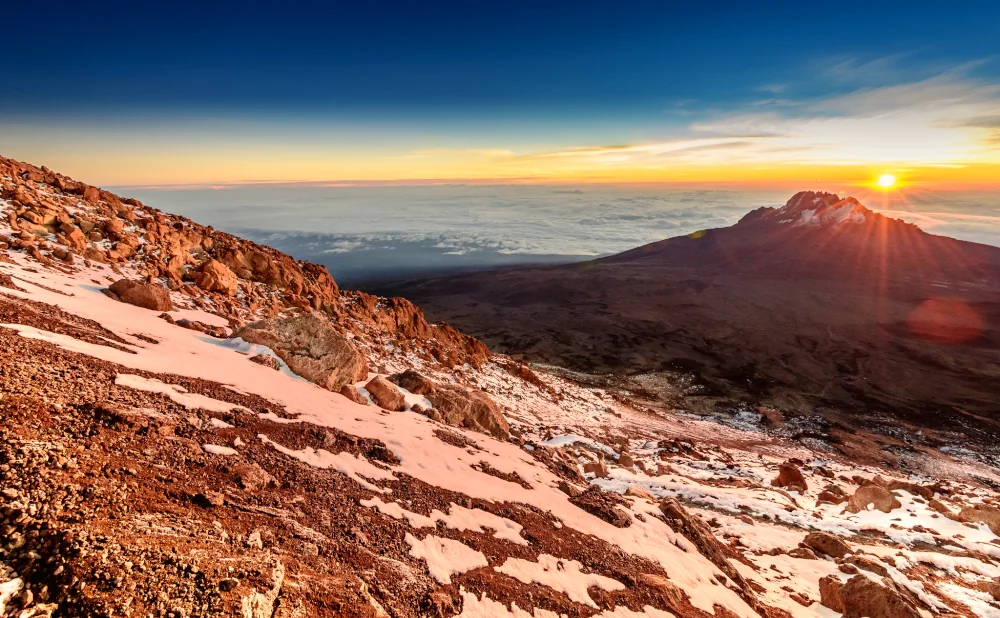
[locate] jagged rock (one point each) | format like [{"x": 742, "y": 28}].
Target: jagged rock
[
  {"x": 145, "y": 295},
  {"x": 864, "y": 597},
  {"x": 385, "y": 394},
  {"x": 701, "y": 535},
  {"x": 828, "y": 497},
  {"x": 670, "y": 593},
  {"x": 606, "y": 505},
  {"x": 471, "y": 409},
  {"x": 874, "y": 494},
  {"x": 76, "y": 240},
  {"x": 770, "y": 417},
  {"x": 639, "y": 491},
  {"x": 251, "y": 477},
  {"x": 625, "y": 460},
  {"x": 861, "y": 562},
  {"x": 791, "y": 478},
  {"x": 267, "y": 360},
  {"x": 827, "y": 543},
  {"x": 831, "y": 593},
  {"x": 214, "y": 276},
  {"x": 261, "y": 604},
  {"x": 351, "y": 392},
  {"x": 113, "y": 228},
  {"x": 597, "y": 468},
  {"x": 311, "y": 348},
  {"x": 802, "y": 553},
  {"x": 414, "y": 382},
  {"x": 982, "y": 513}
]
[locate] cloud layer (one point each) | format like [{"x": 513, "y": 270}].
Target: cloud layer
[{"x": 527, "y": 220}]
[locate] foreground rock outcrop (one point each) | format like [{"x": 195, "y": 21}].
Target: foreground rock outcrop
[
  {"x": 311, "y": 348},
  {"x": 457, "y": 406}
]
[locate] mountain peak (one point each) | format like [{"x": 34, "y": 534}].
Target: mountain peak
[
  {"x": 810, "y": 209},
  {"x": 815, "y": 209}
]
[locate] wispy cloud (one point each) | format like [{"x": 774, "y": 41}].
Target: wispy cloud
[{"x": 947, "y": 119}]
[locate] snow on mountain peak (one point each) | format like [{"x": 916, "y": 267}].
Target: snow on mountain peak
[{"x": 809, "y": 208}]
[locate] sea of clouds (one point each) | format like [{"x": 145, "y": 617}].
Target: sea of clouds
[{"x": 354, "y": 230}]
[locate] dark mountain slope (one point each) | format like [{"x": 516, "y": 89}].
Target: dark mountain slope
[{"x": 819, "y": 303}]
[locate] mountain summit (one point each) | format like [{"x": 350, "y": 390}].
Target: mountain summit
[{"x": 820, "y": 209}]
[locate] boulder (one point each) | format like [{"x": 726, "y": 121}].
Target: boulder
[
  {"x": 638, "y": 491},
  {"x": 872, "y": 494},
  {"x": 826, "y": 543},
  {"x": 866, "y": 597},
  {"x": 413, "y": 382},
  {"x": 76, "y": 240},
  {"x": 214, "y": 276},
  {"x": 113, "y": 228},
  {"x": 352, "y": 393},
  {"x": 831, "y": 593},
  {"x": 385, "y": 394},
  {"x": 145, "y": 295},
  {"x": 91, "y": 194},
  {"x": 470, "y": 409},
  {"x": 982, "y": 513},
  {"x": 311, "y": 348},
  {"x": 252, "y": 477},
  {"x": 266, "y": 360},
  {"x": 791, "y": 478}
]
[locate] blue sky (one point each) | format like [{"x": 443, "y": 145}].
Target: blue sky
[{"x": 127, "y": 93}]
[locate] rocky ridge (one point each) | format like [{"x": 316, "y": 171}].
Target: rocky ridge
[{"x": 148, "y": 468}]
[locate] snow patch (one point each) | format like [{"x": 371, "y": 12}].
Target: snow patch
[{"x": 445, "y": 557}]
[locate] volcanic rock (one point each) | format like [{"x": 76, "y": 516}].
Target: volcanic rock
[
  {"x": 414, "y": 382},
  {"x": 827, "y": 543},
  {"x": 472, "y": 409},
  {"x": 311, "y": 348},
  {"x": 790, "y": 477},
  {"x": 874, "y": 494},
  {"x": 385, "y": 394},
  {"x": 145, "y": 295},
  {"x": 214, "y": 276}
]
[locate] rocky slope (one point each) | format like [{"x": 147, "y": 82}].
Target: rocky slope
[{"x": 345, "y": 457}]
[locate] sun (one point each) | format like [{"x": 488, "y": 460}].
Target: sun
[{"x": 886, "y": 181}]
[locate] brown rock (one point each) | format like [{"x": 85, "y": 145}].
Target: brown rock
[
  {"x": 413, "y": 382},
  {"x": 802, "y": 553},
  {"x": 827, "y": 543},
  {"x": 597, "y": 468},
  {"x": 791, "y": 478},
  {"x": 352, "y": 393},
  {"x": 214, "y": 276},
  {"x": 76, "y": 240},
  {"x": 311, "y": 348},
  {"x": 385, "y": 394},
  {"x": 145, "y": 295},
  {"x": 982, "y": 513},
  {"x": 828, "y": 497},
  {"x": 874, "y": 494},
  {"x": 770, "y": 417},
  {"x": 252, "y": 477},
  {"x": 91, "y": 194},
  {"x": 625, "y": 460},
  {"x": 831, "y": 593},
  {"x": 267, "y": 360},
  {"x": 667, "y": 590},
  {"x": 113, "y": 228},
  {"x": 471, "y": 409},
  {"x": 864, "y": 597},
  {"x": 639, "y": 491}
]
